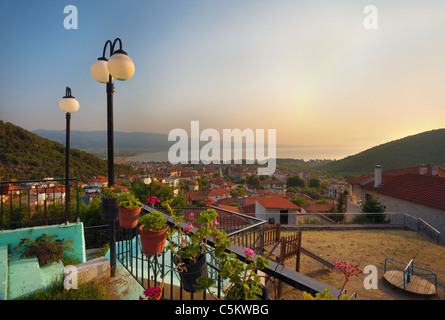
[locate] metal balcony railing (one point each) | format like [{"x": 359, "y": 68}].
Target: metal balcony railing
[
  {"x": 243, "y": 231},
  {"x": 29, "y": 203}
]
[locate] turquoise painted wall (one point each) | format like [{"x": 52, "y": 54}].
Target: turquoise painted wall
[{"x": 73, "y": 232}]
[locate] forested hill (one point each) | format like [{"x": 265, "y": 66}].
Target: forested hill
[
  {"x": 423, "y": 148},
  {"x": 25, "y": 155}
]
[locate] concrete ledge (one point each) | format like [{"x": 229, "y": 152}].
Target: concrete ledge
[
  {"x": 3, "y": 272},
  {"x": 94, "y": 270}
]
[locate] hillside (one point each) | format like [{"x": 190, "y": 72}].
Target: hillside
[
  {"x": 25, "y": 155},
  {"x": 423, "y": 148}
]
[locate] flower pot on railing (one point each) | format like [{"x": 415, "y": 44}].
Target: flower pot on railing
[
  {"x": 191, "y": 272},
  {"x": 109, "y": 209},
  {"x": 152, "y": 242},
  {"x": 153, "y": 230},
  {"x": 129, "y": 210},
  {"x": 128, "y": 218},
  {"x": 109, "y": 204}
]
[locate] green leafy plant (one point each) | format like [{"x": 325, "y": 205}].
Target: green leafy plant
[
  {"x": 188, "y": 246},
  {"x": 128, "y": 201},
  {"x": 46, "y": 248},
  {"x": 154, "y": 220},
  {"x": 111, "y": 193},
  {"x": 245, "y": 283},
  {"x": 325, "y": 295}
]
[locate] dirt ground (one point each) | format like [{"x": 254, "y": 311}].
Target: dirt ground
[{"x": 368, "y": 247}]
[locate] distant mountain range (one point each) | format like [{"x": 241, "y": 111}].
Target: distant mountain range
[
  {"x": 125, "y": 143},
  {"x": 427, "y": 147}
]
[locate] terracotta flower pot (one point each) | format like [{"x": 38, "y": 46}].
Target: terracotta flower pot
[
  {"x": 128, "y": 218},
  {"x": 152, "y": 242},
  {"x": 194, "y": 271}
]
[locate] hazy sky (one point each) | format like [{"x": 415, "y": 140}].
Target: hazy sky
[{"x": 308, "y": 69}]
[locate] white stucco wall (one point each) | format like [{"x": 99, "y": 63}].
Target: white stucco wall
[
  {"x": 434, "y": 217},
  {"x": 265, "y": 214}
]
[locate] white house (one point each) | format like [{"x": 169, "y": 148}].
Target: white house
[
  {"x": 278, "y": 209},
  {"x": 418, "y": 191}
]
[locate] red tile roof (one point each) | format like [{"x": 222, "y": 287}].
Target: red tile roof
[
  {"x": 398, "y": 172},
  {"x": 276, "y": 203},
  {"x": 248, "y": 209},
  {"x": 423, "y": 189},
  {"x": 230, "y": 208},
  {"x": 408, "y": 184},
  {"x": 217, "y": 192},
  {"x": 314, "y": 207},
  {"x": 195, "y": 195}
]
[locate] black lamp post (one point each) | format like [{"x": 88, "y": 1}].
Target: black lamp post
[
  {"x": 149, "y": 181},
  {"x": 70, "y": 105},
  {"x": 120, "y": 67}
]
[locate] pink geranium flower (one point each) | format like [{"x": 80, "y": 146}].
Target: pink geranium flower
[
  {"x": 348, "y": 269},
  {"x": 152, "y": 200},
  {"x": 151, "y": 293},
  {"x": 188, "y": 228},
  {"x": 248, "y": 252},
  {"x": 209, "y": 201}
]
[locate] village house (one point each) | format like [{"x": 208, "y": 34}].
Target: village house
[
  {"x": 236, "y": 171},
  {"x": 282, "y": 176},
  {"x": 193, "y": 197},
  {"x": 314, "y": 207},
  {"x": 304, "y": 175},
  {"x": 222, "y": 184},
  {"x": 55, "y": 193},
  {"x": 276, "y": 210},
  {"x": 274, "y": 185},
  {"x": 417, "y": 191},
  {"x": 335, "y": 189},
  {"x": 99, "y": 182}
]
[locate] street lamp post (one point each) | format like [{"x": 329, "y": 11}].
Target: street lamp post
[
  {"x": 120, "y": 67},
  {"x": 149, "y": 181},
  {"x": 70, "y": 105}
]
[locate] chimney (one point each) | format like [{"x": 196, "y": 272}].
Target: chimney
[
  {"x": 378, "y": 176},
  {"x": 435, "y": 171},
  {"x": 423, "y": 169}
]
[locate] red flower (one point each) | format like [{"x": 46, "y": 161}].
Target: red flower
[
  {"x": 209, "y": 201},
  {"x": 152, "y": 293},
  {"x": 152, "y": 200}
]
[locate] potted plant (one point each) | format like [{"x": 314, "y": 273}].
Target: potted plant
[
  {"x": 129, "y": 209},
  {"x": 153, "y": 230},
  {"x": 46, "y": 248},
  {"x": 244, "y": 282},
  {"x": 189, "y": 245},
  {"x": 109, "y": 206}
]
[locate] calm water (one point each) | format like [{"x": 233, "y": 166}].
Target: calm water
[{"x": 306, "y": 153}]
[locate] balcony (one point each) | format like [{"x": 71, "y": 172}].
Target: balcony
[
  {"x": 243, "y": 232},
  {"x": 23, "y": 205}
]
